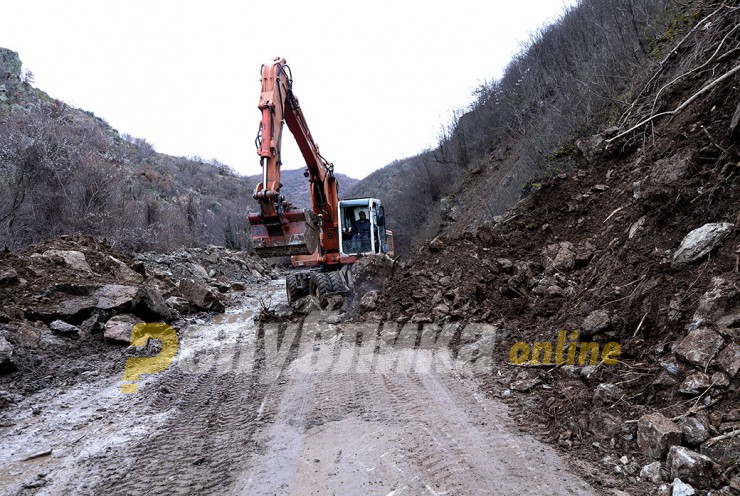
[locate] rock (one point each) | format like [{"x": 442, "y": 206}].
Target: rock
[
  {"x": 90, "y": 325},
  {"x": 554, "y": 292},
  {"x": 74, "y": 259},
  {"x": 8, "y": 276},
  {"x": 701, "y": 241},
  {"x": 524, "y": 385},
  {"x": 114, "y": 296},
  {"x": 651, "y": 472},
  {"x": 199, "y": 272},
  {"x": 695, "y": 383},
  {"x": 689, "y": 466},
  {"x": 440, "y": 310},
  {"x": 118, "y": 329},
  {"x": 656, "y": 433},
  {"x": 699, "y": 347},
  {"x": 720, "y": 379},
  {"x": 694, "y": 432},
  {"x": 10, "y": 64},
  {"x": 150, "y": 305},
  {"x": 436, "y": 245},
  {"x": 369, "y": 300},
  {"x": 504, "y": 264},
  {"x": 283, "y": 310},
  {"x": 634, "y": 228},
  {"x": 680, "y": 488},
  {"x": 7, "y": 358},
  {"x": 599, "y": 188},
  {"x": 590, "y": 147},
  {"x": 596, "y": 322},
  {"x": 565, "y": 260},
  {"x": 604, "y": 425},
  {"x": 200, "y": 296},
  {"x": 421, "y": 318},
  {"x": 64, "y": 329},
  {"x": 729, "y": 359},
  {"x": 178, "y": 303},
  {"x": 735, "y": 124},
  {"x": 607, "y": 393},
  {"x": 238, "y": 286},
  {"x": 713, "y": 304}
]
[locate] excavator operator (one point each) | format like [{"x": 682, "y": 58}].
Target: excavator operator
[{"x": 361, "y": 234}]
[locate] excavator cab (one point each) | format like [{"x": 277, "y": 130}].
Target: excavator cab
[{"x": 362, "y": 230}]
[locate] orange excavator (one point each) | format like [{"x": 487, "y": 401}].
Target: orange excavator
[{"x": 334, "y": 233}]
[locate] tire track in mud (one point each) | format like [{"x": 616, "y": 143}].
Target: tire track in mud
[{"x": 201, "y": 447}]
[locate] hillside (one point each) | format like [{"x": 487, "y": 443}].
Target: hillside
[
  {"x": 624, "y": 229},
  {"x": 64, "y": 170},
  {"x": 584, "y": 74}
]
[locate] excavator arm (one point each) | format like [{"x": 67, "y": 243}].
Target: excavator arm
[{"x": 278, "y": 229}]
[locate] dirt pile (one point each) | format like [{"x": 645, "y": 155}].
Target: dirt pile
[
  {"x": 68, "y": 298},
  {"x": 636, "y": 245}
]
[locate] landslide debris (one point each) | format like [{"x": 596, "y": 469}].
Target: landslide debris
[
  {"x": 635, "y": 242},
  {"x": 68, "y": 304}
]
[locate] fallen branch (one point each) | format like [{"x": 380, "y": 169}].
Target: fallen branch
[
  {"x": 665, "y": 59},
  {"x": 714, "y": 440},
  {"x": 611, "y": 214},
  {"x": 678, "y": 109},
  {"x": 639, "y": 326}
]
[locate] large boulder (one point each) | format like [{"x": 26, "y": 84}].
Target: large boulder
[
  {"x": 7, "y": 358},
  {"x": 701, "y": 241},
  {"x": 114, "y": 296},
  {"x": 699, "y": 347},
  {"x": 200, "y": 296},
  {"x": 10, "y": 64},
  {"x": 656, "y": 434},
  {"x": 150, "y": 305},
  {"x": 118, "y": 329},
  {"x": 689, "y": 466},
  {"x": 74, "y": 259}
]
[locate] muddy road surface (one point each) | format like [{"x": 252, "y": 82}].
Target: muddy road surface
[{"x": 300, "y": 407}]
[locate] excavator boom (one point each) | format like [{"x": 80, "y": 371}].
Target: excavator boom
[{"x": 278, "y": 230}]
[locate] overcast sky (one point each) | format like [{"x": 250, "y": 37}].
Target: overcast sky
[{"x": 376, "y": 80}]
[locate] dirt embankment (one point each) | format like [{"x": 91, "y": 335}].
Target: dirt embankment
[
  {"x": 636, "y": 244},
  {"x": 66, "y": 305}
]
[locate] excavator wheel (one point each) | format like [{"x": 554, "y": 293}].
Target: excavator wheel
[
  {"x": 294, "y": 288},
  {"x": 320, "y": 287},
  {"x": 337, "y": 283}
]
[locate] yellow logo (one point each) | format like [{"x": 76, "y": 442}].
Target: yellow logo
[
  {"x": 541, "y": 352},
  {"x": 150, "y": 365}
]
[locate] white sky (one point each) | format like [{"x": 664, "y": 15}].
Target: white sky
[{"x": 376, "y": 80}]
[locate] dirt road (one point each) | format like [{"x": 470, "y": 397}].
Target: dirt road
[{"x": 244, "y": 410}]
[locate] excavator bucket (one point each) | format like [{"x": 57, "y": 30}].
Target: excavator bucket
[{"x": 298, "y": 234}]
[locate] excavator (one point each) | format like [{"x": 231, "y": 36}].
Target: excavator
[{"x": 325, "y": 240}]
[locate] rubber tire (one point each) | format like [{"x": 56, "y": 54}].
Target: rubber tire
[
  {"x": 337, "y": 284},
  {"x": 293, "y": 290},
  {"x": 320, "y": 287}
]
